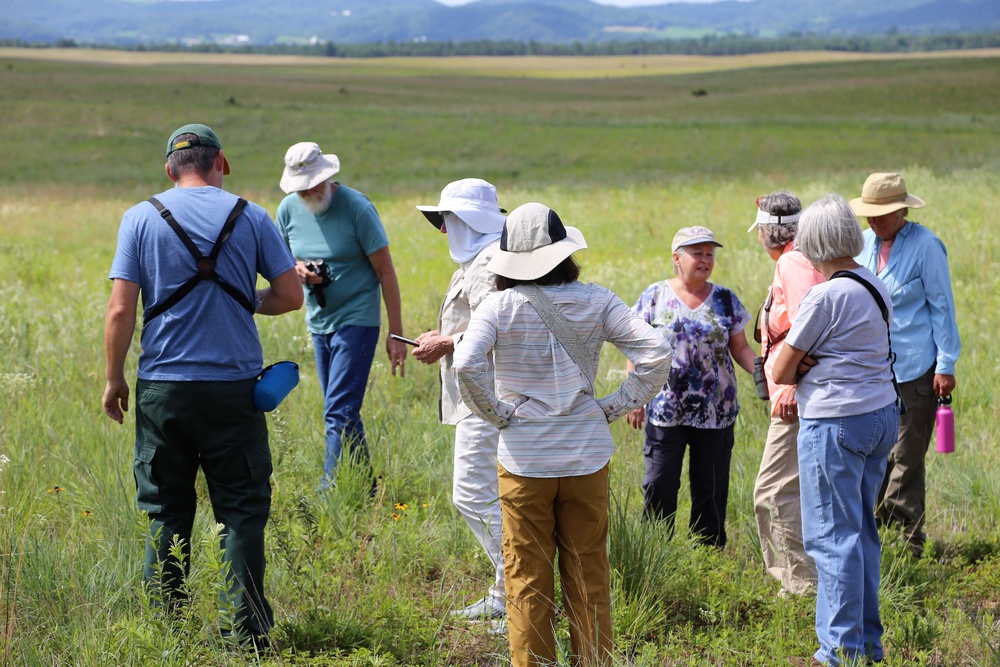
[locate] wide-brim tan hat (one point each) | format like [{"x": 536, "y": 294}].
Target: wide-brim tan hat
[
  {"x": 533, "y": 242},
  {"x": 306, "y": 167},
  {"x": 884, "y": 193},
  {"x": 471, "y": 199}
]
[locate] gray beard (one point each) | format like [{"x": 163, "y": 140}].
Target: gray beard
[{"x": 317, "y": 206}]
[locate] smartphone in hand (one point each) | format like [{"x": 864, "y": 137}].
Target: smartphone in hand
[{"x": 408, "y": 341}]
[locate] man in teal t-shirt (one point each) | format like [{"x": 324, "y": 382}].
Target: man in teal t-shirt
[{"x": 342, "y": 256}]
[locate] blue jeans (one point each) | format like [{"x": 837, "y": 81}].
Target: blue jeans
[
  {"x": 343, "y": 362},
  {"x": 842, "y": 462}
]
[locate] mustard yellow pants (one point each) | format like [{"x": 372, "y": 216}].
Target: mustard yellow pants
[{"x": 540, "y": 517}]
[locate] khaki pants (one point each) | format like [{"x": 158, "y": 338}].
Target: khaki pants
[
  {"x": 778, "y": 510},
  {"x": 901, "y": 500},
  {"x": 541, "y": 515}
]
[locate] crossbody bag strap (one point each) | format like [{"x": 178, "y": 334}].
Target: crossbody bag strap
[
  {"x": 888, "y": 325},
  {"x": 771, "y": 342},
  {"x": 561, "y": 328}
]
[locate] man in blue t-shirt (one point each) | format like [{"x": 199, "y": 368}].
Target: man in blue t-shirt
[
  {"x": 200, "y": 357},
  {"x": 342, "y": 256}
]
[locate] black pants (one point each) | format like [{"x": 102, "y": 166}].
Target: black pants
[
  {"x": 184, "y": 426},
  {"x": 708, "y": 473}
]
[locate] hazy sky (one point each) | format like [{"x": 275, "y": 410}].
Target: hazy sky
[{"x": 620, "y": 3}]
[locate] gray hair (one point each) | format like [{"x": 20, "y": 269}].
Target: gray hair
[
  {"x": 828, "y": 230},
  {"x": 781, "y": 202},
  {"x": 196, "y": 159}
]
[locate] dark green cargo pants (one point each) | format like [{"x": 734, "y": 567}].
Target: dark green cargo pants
[{"x": 181, "y": 426}]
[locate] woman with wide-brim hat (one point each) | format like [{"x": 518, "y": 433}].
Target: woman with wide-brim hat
[
  {"x": 913, "y": 263},
  {"x": 469, "y": 215},
  {"x": 544, "y": 330}
]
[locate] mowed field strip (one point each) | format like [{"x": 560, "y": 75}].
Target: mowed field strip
[{"x": 543, "y": 67}]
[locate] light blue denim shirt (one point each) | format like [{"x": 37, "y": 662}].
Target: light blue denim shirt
[{"x": 924, "y": 329}]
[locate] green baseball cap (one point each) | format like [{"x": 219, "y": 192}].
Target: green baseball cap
[{"x": 204, "y": 136}]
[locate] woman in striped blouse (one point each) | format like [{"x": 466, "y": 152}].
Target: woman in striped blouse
[{"x": 545, "y": 330}]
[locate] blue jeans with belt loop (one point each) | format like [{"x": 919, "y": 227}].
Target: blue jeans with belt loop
[
  {"x": 842, "y": 462},
  {"x": 343, "y": 364}
]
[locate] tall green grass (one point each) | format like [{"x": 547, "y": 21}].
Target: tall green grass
[{"x": 358, "y": 581}]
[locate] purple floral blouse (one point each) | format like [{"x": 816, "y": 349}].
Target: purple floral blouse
[{"x": 701, "y": 389}]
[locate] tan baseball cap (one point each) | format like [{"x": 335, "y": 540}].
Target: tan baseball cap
[{"x": 692, "y": 236}]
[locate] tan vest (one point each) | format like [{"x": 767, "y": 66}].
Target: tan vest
[{"x": 469, "y": 285}]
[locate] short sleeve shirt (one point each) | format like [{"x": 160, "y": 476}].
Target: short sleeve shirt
[
  {"x": 840, "y": 325},
  {"x": 207, "y": 335},
  {"x": 701, "y": 389},
  {"x": 343, "y": 236}
]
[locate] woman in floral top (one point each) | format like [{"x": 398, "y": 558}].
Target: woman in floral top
[{"x": 697, "y": 406}]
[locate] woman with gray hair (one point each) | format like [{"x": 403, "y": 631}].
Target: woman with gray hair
[
  {"x": 838, "y": 353},
  {"x": 776, "y": 492}
]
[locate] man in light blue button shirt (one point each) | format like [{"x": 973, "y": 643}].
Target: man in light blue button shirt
[{"x": 913, "y": 264}]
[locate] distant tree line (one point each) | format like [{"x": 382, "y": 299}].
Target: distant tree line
[{"x": 713, "y": 45}]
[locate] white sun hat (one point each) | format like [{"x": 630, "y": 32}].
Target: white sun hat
[
  {"x": 534, "y": 241},
  {"x": 306, "y": 167},
  {"x": 473, "y": 200}
]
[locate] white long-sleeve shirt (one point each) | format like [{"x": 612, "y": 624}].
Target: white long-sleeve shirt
[{"x": 550, "y": 423}]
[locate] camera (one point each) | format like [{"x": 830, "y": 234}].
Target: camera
[
  {"x": 759, "y": 380},
  {"x": 321, "y": 269}
]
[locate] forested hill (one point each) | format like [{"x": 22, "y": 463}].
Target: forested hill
[{"x": 266, "y": 22}]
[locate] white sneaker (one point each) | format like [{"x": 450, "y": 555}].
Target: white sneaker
[
  {"x": 489, "y": 607},
  {"x": 498, "y": 626}
]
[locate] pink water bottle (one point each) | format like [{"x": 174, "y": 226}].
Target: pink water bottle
[{"x": 945, "y": 426}]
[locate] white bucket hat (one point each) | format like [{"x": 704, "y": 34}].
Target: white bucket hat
[
  {"x": 884, "y": 193},
  {"x": 306, "y": 167},
  {"x": 534, "y": 241},
  {"x": 473, "y": 200}
]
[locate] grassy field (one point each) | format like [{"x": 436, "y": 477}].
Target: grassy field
[{"x": 627, "y": 158}]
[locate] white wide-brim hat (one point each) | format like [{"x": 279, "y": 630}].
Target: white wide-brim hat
[
  {"x": 306, "y": 167},
  {"x": 884, "y": 193},
  {"x": 473, "y": 200},
  {"x": 534, "y": 241}
]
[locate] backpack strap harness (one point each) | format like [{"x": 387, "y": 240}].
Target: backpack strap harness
[{"x": 205, "y": 263}]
